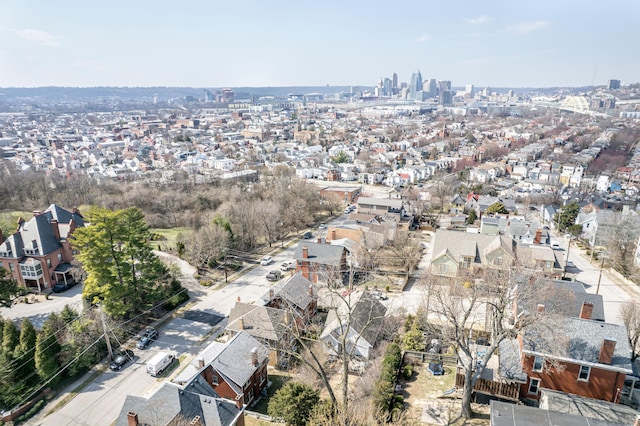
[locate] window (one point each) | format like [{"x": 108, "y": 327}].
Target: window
[
  {"x": 59, "y": 257},
  {"x": 443, "y": 268},
  {"x": 11, "y": 267},
  {"x": 214, "y": 380},
  {"x": 534, "y": 386},
  {"x": 466, "y": 262},
  {"x": 585, "y": 371},
  {"x": 538, "y": 363},
  {"x": 48, "y": 262}
]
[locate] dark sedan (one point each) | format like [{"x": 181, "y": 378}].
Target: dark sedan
[{"x": 121, "y": 359}]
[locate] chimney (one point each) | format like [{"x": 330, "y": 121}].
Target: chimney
[
  {"x": 196, "y": 421},
  {"x": 538, "y": 238},
  {"x": 132, "y": 419},
  {"x": 586, "y": 310},
  {"x": 637, "y": 422},
  {"x": 311, "y": 290},
  {"x": 1, "y": 237},
  {"x": 200, "y": 362},
  {"x": 271, "y": 294},
  {"x": 56, "y": 229},
  {"x": 36, "y": 213},
  {"x": 540, "y": 307},
  {"x": 305, "y": 252},
  {"x": 238, "y": 298},
  {"x": 319, "y": 240},
  {"x": 241, "y": 323},
  {"x": 333, "y": 234},
  {"x": 606, "y": 351},
  {"x": 254, "y": 357},
  {"x": 72, "y": 226},
  {"x": 239, "y": 402}
]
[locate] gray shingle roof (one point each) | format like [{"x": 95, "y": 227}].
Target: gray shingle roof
[
  {"x": 583, "y": 341},
  {"x": 234, "y": 360},
  {"x": 295, "y": 290},
  {"x": 325, "y": 254},
  {"x": 465, "y": 244},
  {"x": 261, "y": 322},
  {"x": 507, "y": 414},
  {"x": 196, "y": 398}
]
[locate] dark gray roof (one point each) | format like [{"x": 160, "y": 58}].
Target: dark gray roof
[
  {"x": 507, "y": 414},
  {"x": 367, "y": 315},
  {"x": 171, "y": 402},
  {"x": 295, "y": 290},
  {"x": 583, "y": 341},
  {"x": 612, "y": 414},
  {"x": 262, "y": 322},
  {"x": 325, "y": 254},
  {"x": 233, "y": 362}
]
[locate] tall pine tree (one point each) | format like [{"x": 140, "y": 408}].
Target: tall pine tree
[
  {"x": 47, "y": 351},
  {"x": 123, "y": 274}
]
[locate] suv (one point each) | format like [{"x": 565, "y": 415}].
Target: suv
[
  {"x": 288, "y": 265},
  {"x": 307, "y": 235},
  {"x": 274, "y": 275},
  {"x": 121, "y": 359},
  {"x": 266, "y": 260},
  {"x": 149, "y": 335}
]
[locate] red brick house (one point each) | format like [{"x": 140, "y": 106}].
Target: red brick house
[
  {"x": 237, "y": 369},
  {"x": 320, "y": 262},
  {"x": 39, "y": 255},
  {"x": 590, "y": 359}
]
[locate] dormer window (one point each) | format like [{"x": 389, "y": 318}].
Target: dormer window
[{"x": 32, "y": 249}]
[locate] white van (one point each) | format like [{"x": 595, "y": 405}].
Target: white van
[{"x": 159, "y": 362}]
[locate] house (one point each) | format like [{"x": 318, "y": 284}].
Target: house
[
  {"x": 236, "y": 370},
  {"x": 297, "y": 295},
  {"x": 39, "y": 254},
  {"x": 454, "y": 252},
  {"x": 586, "y": 358},
  {"x": 270, "y": 326},
  {"x": 347, "y": 194},
  {"x": 194, "y": 403},
  {"x": 508, "y": 414},
  {"x": 540, "y": 258},
  {"x": 593, "y": 409},
  {"x": 356, "y": 319},
  {"x": 381, "y": 206},
  {"x": 320, "y": 262},
  {"x": 598, "y": 226}
]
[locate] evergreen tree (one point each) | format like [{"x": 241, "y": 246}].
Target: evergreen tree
[
  {"x": 24, "y": 354},
  {"x": 10, "y": 338},
  {"x": 46, "y": 355},
  {"x": 122, "y": 271},
  {"x": 8, "y": 288},
  {"x": 293, "y": 403}
]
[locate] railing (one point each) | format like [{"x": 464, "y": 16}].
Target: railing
[
  {"x": 422, "y": 357},
  {"x": 488, "y": 387}
]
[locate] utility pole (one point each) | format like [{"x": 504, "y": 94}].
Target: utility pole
[
  {"x": 106, "y": 334},
  {"x": 600, "y": 275}
]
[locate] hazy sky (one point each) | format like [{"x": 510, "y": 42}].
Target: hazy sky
[{"x": 513, "y": 43}]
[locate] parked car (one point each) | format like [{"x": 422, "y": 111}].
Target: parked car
[
  {"x": 149, "y": 335},
  {"x": 157, "y": 364},
  {"x": 60, "y": 287},
  {"x": 307, "y": 235},
  {"x": 274, "y": 275},
  {"x": 570, "y": 264},
  {"x": 266, "y": 260},
  {"x": 121, "y": 359},
  {"x": 379, "y": 295},
  {"x": 288, "y": 265},
  {"x": 322, "y": 226},
  {"x": 435, "y": 368}
]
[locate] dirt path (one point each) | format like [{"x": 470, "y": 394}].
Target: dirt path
[{"x": 187, "y": 271}]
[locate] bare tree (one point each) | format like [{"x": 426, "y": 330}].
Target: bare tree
[
  {"x": 457, "y": 308},
  {"x": 406, "y": 251},
  {"x": 630, "y": 316}
]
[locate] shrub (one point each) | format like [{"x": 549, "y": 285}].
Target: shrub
[{"x": 407, "y": 371}]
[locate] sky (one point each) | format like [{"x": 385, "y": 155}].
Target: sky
[{"x": 257, "y": 43}]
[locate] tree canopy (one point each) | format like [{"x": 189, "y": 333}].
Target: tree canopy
[
  {"x": 497, "y": 207},
  {"x": 566, "y": 217},
  {"x": 123, "y": 274},
  {"x": 8, "y": 288},
  {"x": 293, "y": 403}
]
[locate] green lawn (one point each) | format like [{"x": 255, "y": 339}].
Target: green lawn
[
  {"x": 277, "y": 381},
  {"x": 168, "y": 237}
]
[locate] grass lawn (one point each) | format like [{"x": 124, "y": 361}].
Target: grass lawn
[
  {"x": 277, "y": 380},
  {"x": 169, "y": 237}
]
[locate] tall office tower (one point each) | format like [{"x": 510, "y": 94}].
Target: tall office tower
[
  {"x": 486, "y": 91},
  {"x": 394, "y": 83},
  {"x": 416, "y": 84},
  {"x": 614, "y": 84},
  {"x": 227, "y": 95},
  {"x": 446, "y": 97},
  {"x": 430, "y": 87},
  {"x": 444, "y": 85},
  {"x": 469, "y": 90},
  {"x": 388, "y": 87}
]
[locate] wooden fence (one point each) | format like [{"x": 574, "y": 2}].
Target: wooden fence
[
  {"x": 503, "y": 390},
  {"x": 424, "y": 357}
]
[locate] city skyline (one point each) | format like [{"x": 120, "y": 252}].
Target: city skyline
[{"x": 251, "y": 44}]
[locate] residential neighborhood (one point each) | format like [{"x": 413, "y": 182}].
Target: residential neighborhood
[{"x": 493, "y": 200}]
